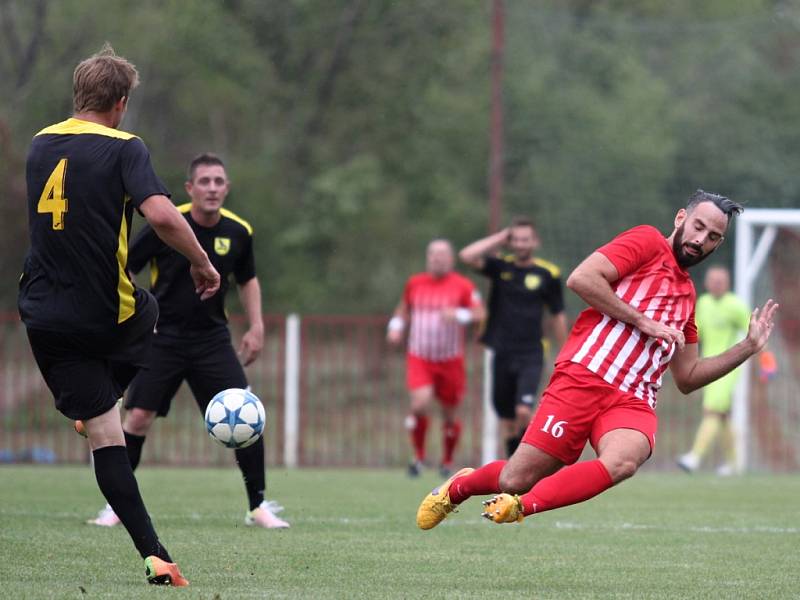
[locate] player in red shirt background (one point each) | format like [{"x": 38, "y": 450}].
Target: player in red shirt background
[
  {"x": 603, "y": 390},
  {"x": 436, "y": 305}
]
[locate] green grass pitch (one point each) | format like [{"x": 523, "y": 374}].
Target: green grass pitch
[{"x": 353, "y": 536}]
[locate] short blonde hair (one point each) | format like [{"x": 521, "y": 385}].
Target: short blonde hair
[{"x": 102, "y": 80}]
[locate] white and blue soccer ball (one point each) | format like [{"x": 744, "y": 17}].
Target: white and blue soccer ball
[{"x": 235, "y": 418}]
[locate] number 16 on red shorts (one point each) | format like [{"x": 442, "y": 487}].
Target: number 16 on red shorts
[{"x": 580, "y": 406}]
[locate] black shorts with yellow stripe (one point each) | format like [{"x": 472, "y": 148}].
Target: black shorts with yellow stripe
[
  {"x": 207, "y": 362},
  {"x": 88, "y": 372}
]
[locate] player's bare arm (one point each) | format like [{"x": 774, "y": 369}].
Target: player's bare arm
[
  {"x": 691, "y": 372},
  {"x": 559, "y": 329},
  {"x": 397, "y": 324},
  {"x": 592, "y": 280},
  {"x": 173, "y": 229},
  {"x": 474, "y": 255},
  {"x": 253, "y": 340}
]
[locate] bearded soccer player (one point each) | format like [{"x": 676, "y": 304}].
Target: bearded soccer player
[
  {"x": 192, "y": 340},
  {"x": 603, "y": 390},
  {"x": 437, "y": 305},
  {"x": 89, "y": 326}
]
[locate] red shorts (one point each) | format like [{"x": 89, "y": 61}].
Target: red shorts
[
  {"x": 579, "y": 406},
  {"x": 447, "y": 377}
]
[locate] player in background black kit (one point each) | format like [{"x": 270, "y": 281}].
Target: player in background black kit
[
  {"x": 521, "y": 286},
  {"x": 89, "y": 326},
  {"x": 192, "y": 340}
]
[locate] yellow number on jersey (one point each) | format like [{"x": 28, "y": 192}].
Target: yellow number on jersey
[{"x": 52, "y": 199}]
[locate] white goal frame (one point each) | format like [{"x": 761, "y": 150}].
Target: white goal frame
[{"x": 756, "y": 229}]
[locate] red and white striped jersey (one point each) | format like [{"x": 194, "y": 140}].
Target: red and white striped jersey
[
  {"x": 652, "y": 282},
  {"x": 431, "y": 336}
]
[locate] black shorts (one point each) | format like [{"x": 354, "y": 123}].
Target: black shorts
[
  {"x": 207, "y": 362},
  {"x": 88, "y": 373},
  {"x": 515, "y": 380}
]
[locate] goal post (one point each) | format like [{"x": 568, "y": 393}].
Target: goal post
[{"x": 756, "y": 233}]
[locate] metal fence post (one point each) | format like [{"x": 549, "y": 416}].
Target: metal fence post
[
  {"x": 291, "y": 393},
  {"x": 489, "y": 438}
]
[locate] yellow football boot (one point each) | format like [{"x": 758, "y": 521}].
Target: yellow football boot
[
  {"x": 436, "y": 505},
  {"x": 503, "y": 508}
]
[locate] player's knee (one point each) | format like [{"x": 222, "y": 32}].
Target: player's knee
[
  {"x": 515, "y": 482},
  {"x": 138, "y": 421},
  {"x": 621, "y": 468}
]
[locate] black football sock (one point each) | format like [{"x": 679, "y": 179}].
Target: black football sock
[
  {"x": 112, "y": 469},
  {"x": 134, "y": 445},
  {"x": 251, "y": 464}
]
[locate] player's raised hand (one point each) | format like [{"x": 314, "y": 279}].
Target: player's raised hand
[
  {"x": 663, "y": 332},
  {"x": 206, "y": 280},
  {"x": 761, "y": 324}
]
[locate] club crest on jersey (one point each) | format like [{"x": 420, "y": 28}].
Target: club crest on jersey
[
  {"x": 222, "y": 245},
  {"x": 532, "y": 281},
  {"x": 506, "y": 275}
]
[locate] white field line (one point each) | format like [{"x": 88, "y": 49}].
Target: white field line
[{"x": 456, "y": 521}]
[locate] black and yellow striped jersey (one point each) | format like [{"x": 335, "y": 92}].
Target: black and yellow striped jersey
[
  {"x": 84, "y": 180},
  {"x": 229, "y": 245}
]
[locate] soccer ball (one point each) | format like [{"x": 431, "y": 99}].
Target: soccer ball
[{"x": 235, "y": 418}]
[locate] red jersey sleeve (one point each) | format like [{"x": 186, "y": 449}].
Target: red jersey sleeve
[
  {"x": 633, "y": 248},
  {"x": 690, "y": 330}
]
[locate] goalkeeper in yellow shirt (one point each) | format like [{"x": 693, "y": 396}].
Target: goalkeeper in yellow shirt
[{"x": 721, "y": 319}]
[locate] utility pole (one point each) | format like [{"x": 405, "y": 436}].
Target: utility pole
[{"x": 496, "y": 123}]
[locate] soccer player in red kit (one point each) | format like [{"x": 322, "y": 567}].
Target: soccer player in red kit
[
  {"x": 437, "y": 304},
  {"x": 603, "y": 390}
]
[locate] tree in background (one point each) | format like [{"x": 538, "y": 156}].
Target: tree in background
[{"x": 357, "y": 130}]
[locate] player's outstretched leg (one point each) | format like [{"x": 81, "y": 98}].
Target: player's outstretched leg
[
  {"x": 465, "y": 483},
  {"x": 106, "y": 517}
]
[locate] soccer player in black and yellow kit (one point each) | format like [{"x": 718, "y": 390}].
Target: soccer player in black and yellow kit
[
  {"x": 89, "y": 326},
  {"x": 192, "y": 340},
  {"x": 522, "y": 285}
]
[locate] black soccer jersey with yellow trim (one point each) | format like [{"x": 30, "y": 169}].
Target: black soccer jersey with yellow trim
[
  {"x": 84, "y": 180},
  {"x": 517, "y": 298},
  {"x": 229, "y": 245}
]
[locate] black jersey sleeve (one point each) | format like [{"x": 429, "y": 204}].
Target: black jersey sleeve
[
  {"x": 145, "y": 246},
  {"x": 492, "y": 266},
  {"x": 138, "y": 177},
  {"x": 554, "y": 297},
  {"x": 245, "y": 268}
]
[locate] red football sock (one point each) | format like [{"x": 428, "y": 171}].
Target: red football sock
[
  {"x": 480, "y": 482},
  {"x": 570, "y": 485},
  {"x": 451, "y": 432},
  {"x": 418, "y": 432}
]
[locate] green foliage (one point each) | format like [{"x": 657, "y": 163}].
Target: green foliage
[
  {"x": 353, "y": 535},
  {"x": 354, "y": 131}
]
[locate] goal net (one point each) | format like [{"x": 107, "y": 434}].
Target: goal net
[{"x": 766, "y": 410}]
